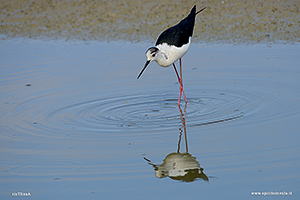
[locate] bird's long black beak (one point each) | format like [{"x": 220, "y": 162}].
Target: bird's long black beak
[{"x": 147, "y": 63}]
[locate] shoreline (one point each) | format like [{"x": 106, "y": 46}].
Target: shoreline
[{"x": 222, "y": 22}]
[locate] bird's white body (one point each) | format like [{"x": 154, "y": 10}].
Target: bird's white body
[{"x": 168, "y": 54}]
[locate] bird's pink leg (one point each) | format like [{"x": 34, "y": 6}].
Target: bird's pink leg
[
  {"x": 181, "y": 80},
  {"x": 181, "y": 86}
]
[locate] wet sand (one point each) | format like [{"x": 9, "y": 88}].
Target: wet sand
[{"x": 271, "y": 21}]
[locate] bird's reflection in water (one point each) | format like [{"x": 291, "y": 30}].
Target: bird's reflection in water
[{"x": 180, "y": 166}]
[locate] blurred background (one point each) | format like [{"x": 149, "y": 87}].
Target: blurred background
[{"x": 229, "y": 21}]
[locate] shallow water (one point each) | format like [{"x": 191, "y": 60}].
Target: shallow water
[{"x": 76, "y": 123}]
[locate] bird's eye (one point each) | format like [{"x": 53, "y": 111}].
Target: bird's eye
[{"x": 152, "y": 55}]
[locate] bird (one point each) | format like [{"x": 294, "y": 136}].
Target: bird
[{"x": 171, "y": 45}]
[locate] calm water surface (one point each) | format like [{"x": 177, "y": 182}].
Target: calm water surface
[{"x": 77, "y": 124}]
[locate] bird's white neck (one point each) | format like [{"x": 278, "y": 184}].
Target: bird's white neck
[{"x": 162, "y": 59}]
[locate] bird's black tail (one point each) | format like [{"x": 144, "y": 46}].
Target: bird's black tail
[{"x": 200, "y": 10}]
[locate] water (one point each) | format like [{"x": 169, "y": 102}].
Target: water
[{"x": 76, "y": 123}]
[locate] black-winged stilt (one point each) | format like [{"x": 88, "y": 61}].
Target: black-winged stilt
[{"x": 171, "y": 45}]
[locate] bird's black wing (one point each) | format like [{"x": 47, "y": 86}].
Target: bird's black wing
[{"x": 179, "y": 34}]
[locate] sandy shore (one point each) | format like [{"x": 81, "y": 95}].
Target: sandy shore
[{"x": 271, "y": 21}]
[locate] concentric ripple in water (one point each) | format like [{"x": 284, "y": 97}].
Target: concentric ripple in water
[{"x": 149, "y": 111}]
